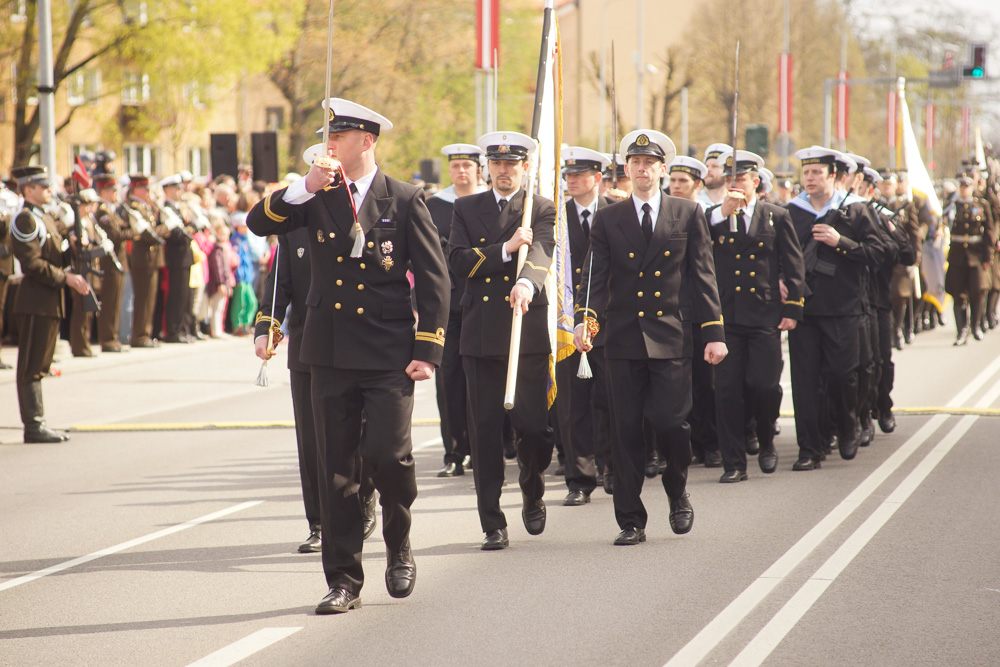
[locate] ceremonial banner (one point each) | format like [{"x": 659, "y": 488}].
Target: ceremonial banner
[
  {"x": 487, "y": 33},
  {"x": 920, "y": 179},
  {"x": 549, "y": 185}
]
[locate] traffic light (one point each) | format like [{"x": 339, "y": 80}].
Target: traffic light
[
  {"x": 977, "y": 70},
  {"x": 757, "y": 139}
]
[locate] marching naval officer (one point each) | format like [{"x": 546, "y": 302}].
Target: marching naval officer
[{"x": 359, "y": 338}]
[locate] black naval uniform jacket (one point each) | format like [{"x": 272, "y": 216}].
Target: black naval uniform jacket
[
  {"x": 358, "y": 314},
  {"x": 39, "y": 242},
  {"x": 835, "y": 281},
  {"x": 748, "y": 266},
  {"x": 475, "y": 250},
  {"x": 292, "y": 268},
  {"x": 579, "y": 252},
  {"x": 441, "y": 213},
  {"x": 177, "y": 251},
  {"x": 647, "y": 298}
]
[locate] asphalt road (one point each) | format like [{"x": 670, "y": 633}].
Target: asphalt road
[{"x": 170, "y": 547}]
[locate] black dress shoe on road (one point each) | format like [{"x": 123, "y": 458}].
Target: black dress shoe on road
[
  {"x": 630, "y": 537},
  {"x": 867, "y": 430},
  {"x": 313, "y": 543},
  {"x": 753, "y": 446},
  {"x": 713, "y": 459},
  {"x": 732, "y": 476},
  {"x": 451, "y": 470},
  {"x": 978, "y": 333},
  {"x": 887, "y": 422},
  {"x": 467, "y": 462},
  {"x": 371, "y": 520},
  {"x": 533, "y": 515},
  {"x": 609, "y": 483},
  {"x": 495, "y": 540},
  {"x": 42, "y": 434},
  {"x": 576, "y": 498},
  {"x": 401, "y": 572},
  {"x": 848, "y": 444},
  {"x": 681, "y": 514},
  {"x": 560, "y": 470},
  {"x": 768, "y": 460},
  {"x": 806, "y": 463},
  {"x": 777, "y": 427},
  {"x": 338, "y": 601},
  {"x": 963, "y": 337},
  {"x": 652, "y": 468}
]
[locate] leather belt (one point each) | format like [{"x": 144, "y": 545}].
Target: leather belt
[{"x": 967, "y": 239}]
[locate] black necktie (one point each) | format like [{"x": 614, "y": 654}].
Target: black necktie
[
  {"x": 647, "y": 222},
  {"x": 586, "y": 222},
  {"x": 354, "y": 193},
  {"x": 502, "y": 203}
]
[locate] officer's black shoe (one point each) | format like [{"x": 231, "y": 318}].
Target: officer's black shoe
[
  {"x": 681, "y": 514},
  {"x": 908, "y": 337},
  {"x": 963, "y": 337},
  {"x": 313, "y": 543},
  {"x": 467, "y": 462},
  {"x": 753, "y": 446},
  {"x": 978, "y": 333},
  {"x": 652, "y": 468},
  {"x": 806, "y": 463},
  {"x": 897, "y": 339},
  {"x": 495, "y": 540},
  {"x": 451, "y": 470},
  {"x": 630, "y": 537},
  {"x": 338, "y": 601},
  {"x": 40, "y": 433},
  {"x": 609, "y": 482},
  {"x": 777, "y": 427},
  {"x": 848, "y": 444},
  {"x": 887, "y": 422},
  {"x": 509, "y": 452},
  {"x": 560, "y": 470},
  {"x": 713, "y": 459},
  {"x": 733, "y": 476},
  {"x": 371, "y": 520},
  {"x": 867, "y": 429},
  {"x": 533, "y": 515},
  {"x": 576, "y": 498},
  {"x": 401, "y": 572},
  {"x": 768, "y": 459}
]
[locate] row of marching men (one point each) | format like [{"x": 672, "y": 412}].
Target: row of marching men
[{"x": 821, "y": 268}]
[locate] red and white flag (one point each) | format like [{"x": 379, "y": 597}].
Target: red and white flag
[{"x": 80, "y": 174}]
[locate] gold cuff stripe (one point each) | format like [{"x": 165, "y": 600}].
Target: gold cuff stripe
[
  {"x": 271, "y": 214},
  {"x": 482, "y": 258},
  {"x": 801, "y": 303},
  {"x": 708, "y": 324},
  {"x": 262, "y": 316},
  {"x": 536, "y": 268},
  {"x": 428, "y": 337}
]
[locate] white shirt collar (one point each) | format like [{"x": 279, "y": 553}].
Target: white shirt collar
[
  {"x": 363, "y": 184},
  {"x": 580, "y": 208},
  {"x": 654, "y": 203},
  {"x": 497, "y": 196}
]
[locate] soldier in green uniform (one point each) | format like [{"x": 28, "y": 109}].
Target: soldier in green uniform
[
  {"x": 41, "y": 246},
  {"x": 973, "y": 237}
]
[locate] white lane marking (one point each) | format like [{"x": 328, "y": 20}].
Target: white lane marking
[
  {"x": 127, "y": 545},
  {"x": 782, "y": 623},
  {"x": 244, "y": 648},
  {"x": 427, "y": 444},
  {"x": 726, "y": 621}
]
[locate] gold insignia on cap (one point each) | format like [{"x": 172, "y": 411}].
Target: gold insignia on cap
[
  {"x": 332, "y": 115},
  {"x": 503, "y": 148},
  {"x": 319, "y": 236},
  {"x": 729, "y": 161},
  {"x": 642, "y": 140},
  {"x": 387, "y": 263},
  {"x": 571, "y": 162},
  {"x": 386, "y": 247},
  {"x": 504, "y": 137}
]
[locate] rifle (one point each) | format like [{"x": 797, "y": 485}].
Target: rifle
[
  {"x": 83, "y": 260},
  {"x": 141, "y": 226}
]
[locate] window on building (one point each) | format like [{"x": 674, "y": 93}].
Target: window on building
[
  {"x": 275, "y": 119},
  {"x": 197, "y": 161},
  {"x": 192, "y": 95},
  {"x": 84, "y": 87},
  {"x": 141, "y": 159},
  {"x": 135, "y": 89}
]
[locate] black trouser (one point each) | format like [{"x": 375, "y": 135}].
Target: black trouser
[
  {"x": 144, "y": 300},
  {"x": 305, "y": 438},
  {"x": 866, "y": 362},
  {"x": 486, "y": 379},
  {"x": 451, "y": 376},
  {"x": 579, "y": 421},
  {"x": 824, "y": 348},
  {"x": 883, "y": 400},
  {"x": 747, "y": 382},
  {"x": 660, "y": 391},
  {"x": 340, "y": 398},
  {"x": 702, "y": 418},
  {"x": 178, "y": 299}
]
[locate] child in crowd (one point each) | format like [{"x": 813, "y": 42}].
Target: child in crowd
[{"x": 222, "y": 261}]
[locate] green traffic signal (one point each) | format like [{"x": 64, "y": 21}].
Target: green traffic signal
[{"x": 977, "y": 72}]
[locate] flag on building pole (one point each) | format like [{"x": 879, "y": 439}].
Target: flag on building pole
[{"x": 548, "y": 110}]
